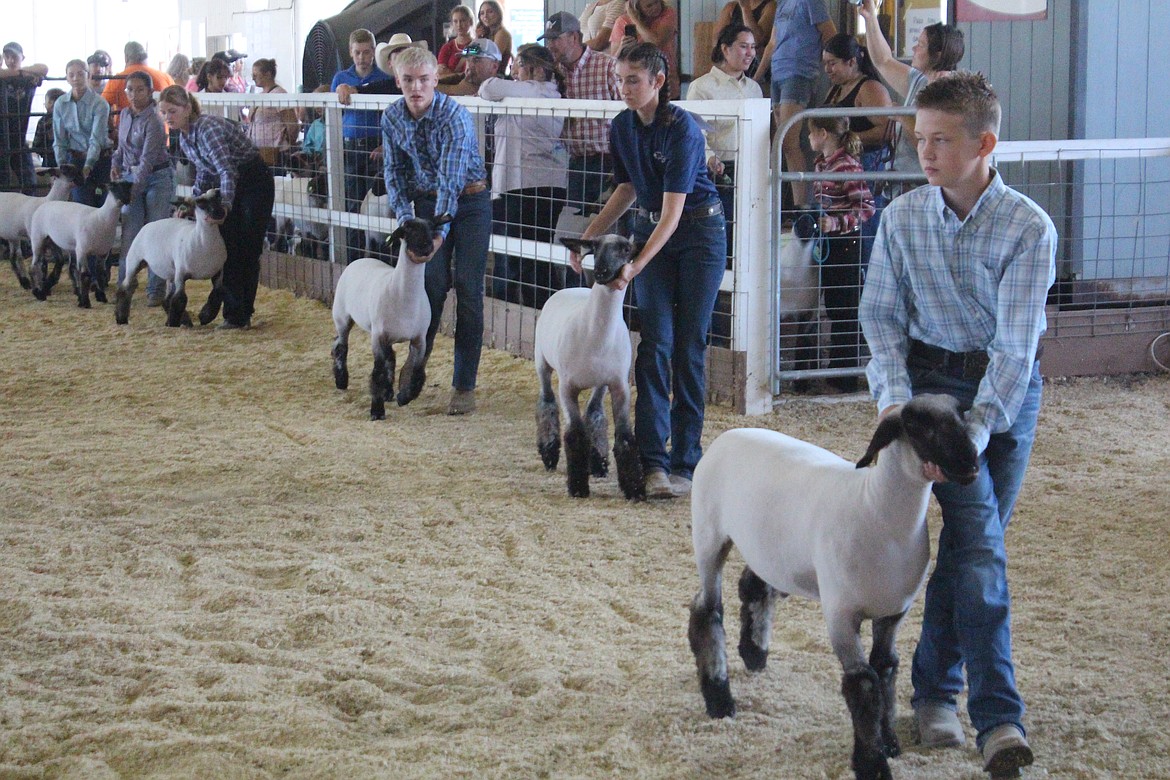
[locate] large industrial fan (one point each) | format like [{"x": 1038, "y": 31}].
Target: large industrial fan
[{"x": 327, "y": 46}]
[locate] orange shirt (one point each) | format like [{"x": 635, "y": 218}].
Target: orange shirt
[{"x": 115, "y": 89}]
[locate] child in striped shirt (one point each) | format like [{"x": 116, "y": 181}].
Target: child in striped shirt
[{"x": 844, "y": 206}]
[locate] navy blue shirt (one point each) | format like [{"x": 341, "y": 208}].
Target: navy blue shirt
[{"x": 661, "y": 157}]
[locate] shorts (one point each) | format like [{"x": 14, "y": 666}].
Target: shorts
[{"x": 794, "y": 89}]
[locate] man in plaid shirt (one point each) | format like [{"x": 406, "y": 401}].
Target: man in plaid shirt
[{"x": 589, "y": 75}]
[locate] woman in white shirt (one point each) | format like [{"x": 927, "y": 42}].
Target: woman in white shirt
[
  {"x": 735, "y": 49},
  {"x": 529, "y": 172}
]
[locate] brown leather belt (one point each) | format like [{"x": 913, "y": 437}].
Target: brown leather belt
[
  {"x": 473, "y": 188},
  {"x": 700, "y": 213},
  {"x": 960, "y": 365}
]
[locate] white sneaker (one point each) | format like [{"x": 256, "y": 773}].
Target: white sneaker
[
  {"x": 938, "y": 726},
  {"x": 658, "y": 485},
  {"x": 1006, "y": 751}
]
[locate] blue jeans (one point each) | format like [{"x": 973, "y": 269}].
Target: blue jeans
[
  {"x": 360, "y": 175},
  {"x": 967, "y": 618},
  {"x": 460, "y": 263},
  {"x": 151, "y": 204},
  {"x": 675, "y": 294}
]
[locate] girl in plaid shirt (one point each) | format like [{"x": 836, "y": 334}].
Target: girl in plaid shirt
[{"x": 844, "y": 206}]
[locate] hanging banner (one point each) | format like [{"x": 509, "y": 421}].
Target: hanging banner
[{"x": 1000, "y": 10}]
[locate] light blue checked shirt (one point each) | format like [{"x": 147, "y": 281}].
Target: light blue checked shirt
[
  {"x": 438, "y": 152},
  {"x": 976, "y": 284}
]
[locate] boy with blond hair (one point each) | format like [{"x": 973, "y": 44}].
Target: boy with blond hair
[{"x": 954, "y": 303}]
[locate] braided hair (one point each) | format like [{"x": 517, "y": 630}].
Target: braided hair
[{"x": 650, "y": 58}]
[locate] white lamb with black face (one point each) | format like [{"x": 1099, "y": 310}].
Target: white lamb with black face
[
  {"x": 808, "y": 522},
  {"x": 389, "y": 303},
  {"x": 178, "y": 250},
  {"x": 582, "y": 337},
  {"x": 17, "y": 210}
]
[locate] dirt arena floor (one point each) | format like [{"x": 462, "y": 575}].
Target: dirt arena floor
[{"x": 212, "y": 565}]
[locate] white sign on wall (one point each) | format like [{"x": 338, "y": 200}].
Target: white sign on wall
[{"x": 916, "y": 18}]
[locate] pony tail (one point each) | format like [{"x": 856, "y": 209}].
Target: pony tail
[
  {"x": 851, "y": 142},
  {"x": 663, "y": 113}
]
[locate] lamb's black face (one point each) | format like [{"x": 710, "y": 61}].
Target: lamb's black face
[
  {"x": 935, "y": 427},
  {"x": 121, "y": 190},
  {"x": 610, "y": 253},
  {"x": 212, "y": 203}
]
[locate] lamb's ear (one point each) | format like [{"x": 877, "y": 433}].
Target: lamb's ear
[
  {"x": 888, "y": 429},
  {"x": 582, "y": 246},
  {"x": 636, "y": 248},
  {"x": 442, "y": 220}
]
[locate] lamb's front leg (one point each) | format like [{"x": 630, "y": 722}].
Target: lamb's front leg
[
  {"x": 17, "y": 263},
  {"x": 414, "y": 372},
  {"x": 625, "y": 448},
  {"x": 598, "y": 428},
  {"x": 576, "y": 443},
  {"x": 125, "y": 294},
  {"x": 81, "y": 279},
  {"x": 883, "y": 658},
  {"x": 210, "y": 309},
  {"x": 382, "y": 377},
  {"x": 177, "y": 306},
  {"x": 705, "y": 632},
  {"x": 862, "y": 690}
]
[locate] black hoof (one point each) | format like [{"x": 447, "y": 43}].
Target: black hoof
[
  {"x": 341, "y": 379},
  {"x": 24, "y": 283},
  {"x": 753, "y": 657},
  {"x": 206, "y": 315},
  {"x": 185, "y": 321},
  {"x": 39, "y": 294},
  {"x": 403, "y": 398},
  {"x": 100, "y": 295},
  {"x": 717, "y": 695},
  {"x": 377, "y": 411},
  {"x": 550, "y": 455},
  {"x": 579, "y": 491},
  {"x": 598, "y": 464},
  {"x": 83, "y": 303},
  {"x": 875, "y": 768}
]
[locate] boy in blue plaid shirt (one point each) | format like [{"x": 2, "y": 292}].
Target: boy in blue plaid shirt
[{"x": 954, "y": 303}]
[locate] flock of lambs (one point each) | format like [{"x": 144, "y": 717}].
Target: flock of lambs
[{"x": 802, "y": 517}]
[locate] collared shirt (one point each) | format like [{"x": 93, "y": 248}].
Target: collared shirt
[
  {"x": 964, "y": 285},
  {"x": 355, "y": 122},
  {"x": 661, "y": 157},
  {"x": 142, "y": 144},
  {"x": 81, "y": 125},
  {"x": 722, "y": 139},
  {"x": 798, "y": 41},
  {"x": 438, "y": 152},
  {"x": 593, "y": 77},
  {"x": 528, "y": 149},
  {"x": 219, "y": 148}
]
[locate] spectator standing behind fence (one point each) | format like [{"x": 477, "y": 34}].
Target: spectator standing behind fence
[
  {"x": 274, "y": 130},
  {"x": 598, "y": 21},
  {"x": 197, "y": 64},
  {"x": 450, "y": 68},
  {"x": 100, "y": 66},
  {"x": 589, "y": 75},
  {"x": 844, "y": 206},
  {"x": 653, "y": 22},
  {"x": 80, "y": 134},
  {"x": 179, "y": 69},
  {"x": 936, "y": 53},
  {"x": 43, "y": 137},
  {"x": 142, "y": 158},
  {"x": 433, "y": 167},
  {"x": 18, "y": 84},
  {"x": 224, "y": 158},
  {"x": 491, "y": 26},
  {"x": 115, "y": 89},
  {"x": 734, "y": 50},
  {"x": 481, "y": 61},
  {"x": 756, "y": 15},
  {"x": 360, "y": 133},
  {"x": 528, "y": 174},
  {"x": 954, "y": 303},
  {"x": 235, "y": 62},
  {"x": 81, "y": 137},
  {"x": 790, "y": 65},
  {"x": 660, "y": 166}
]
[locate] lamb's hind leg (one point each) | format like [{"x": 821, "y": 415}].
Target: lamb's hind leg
[
  {"x": 81, "y": 278},
  {"x": 598, "y": 428},
  {"x": 382, "y": 377},
  {"x": 414, "y": 372},
  {"x": 548, "y": 420},
  {"x": 883, "y": 658},
  {"x": 705, "y": 631},
  {"x": 625, "y": 449},
  {"x": 340, "y": 353},
  {"x": 757, "y": 605},
  {"x": 576, "y": 443},
  {"x": 862, "y": 690},
  {"x": 210, "y": 309},
  {"x": 17, "y": 263}
]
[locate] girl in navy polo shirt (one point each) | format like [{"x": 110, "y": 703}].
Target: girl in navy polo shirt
[{"x": 659, "y": 165}]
